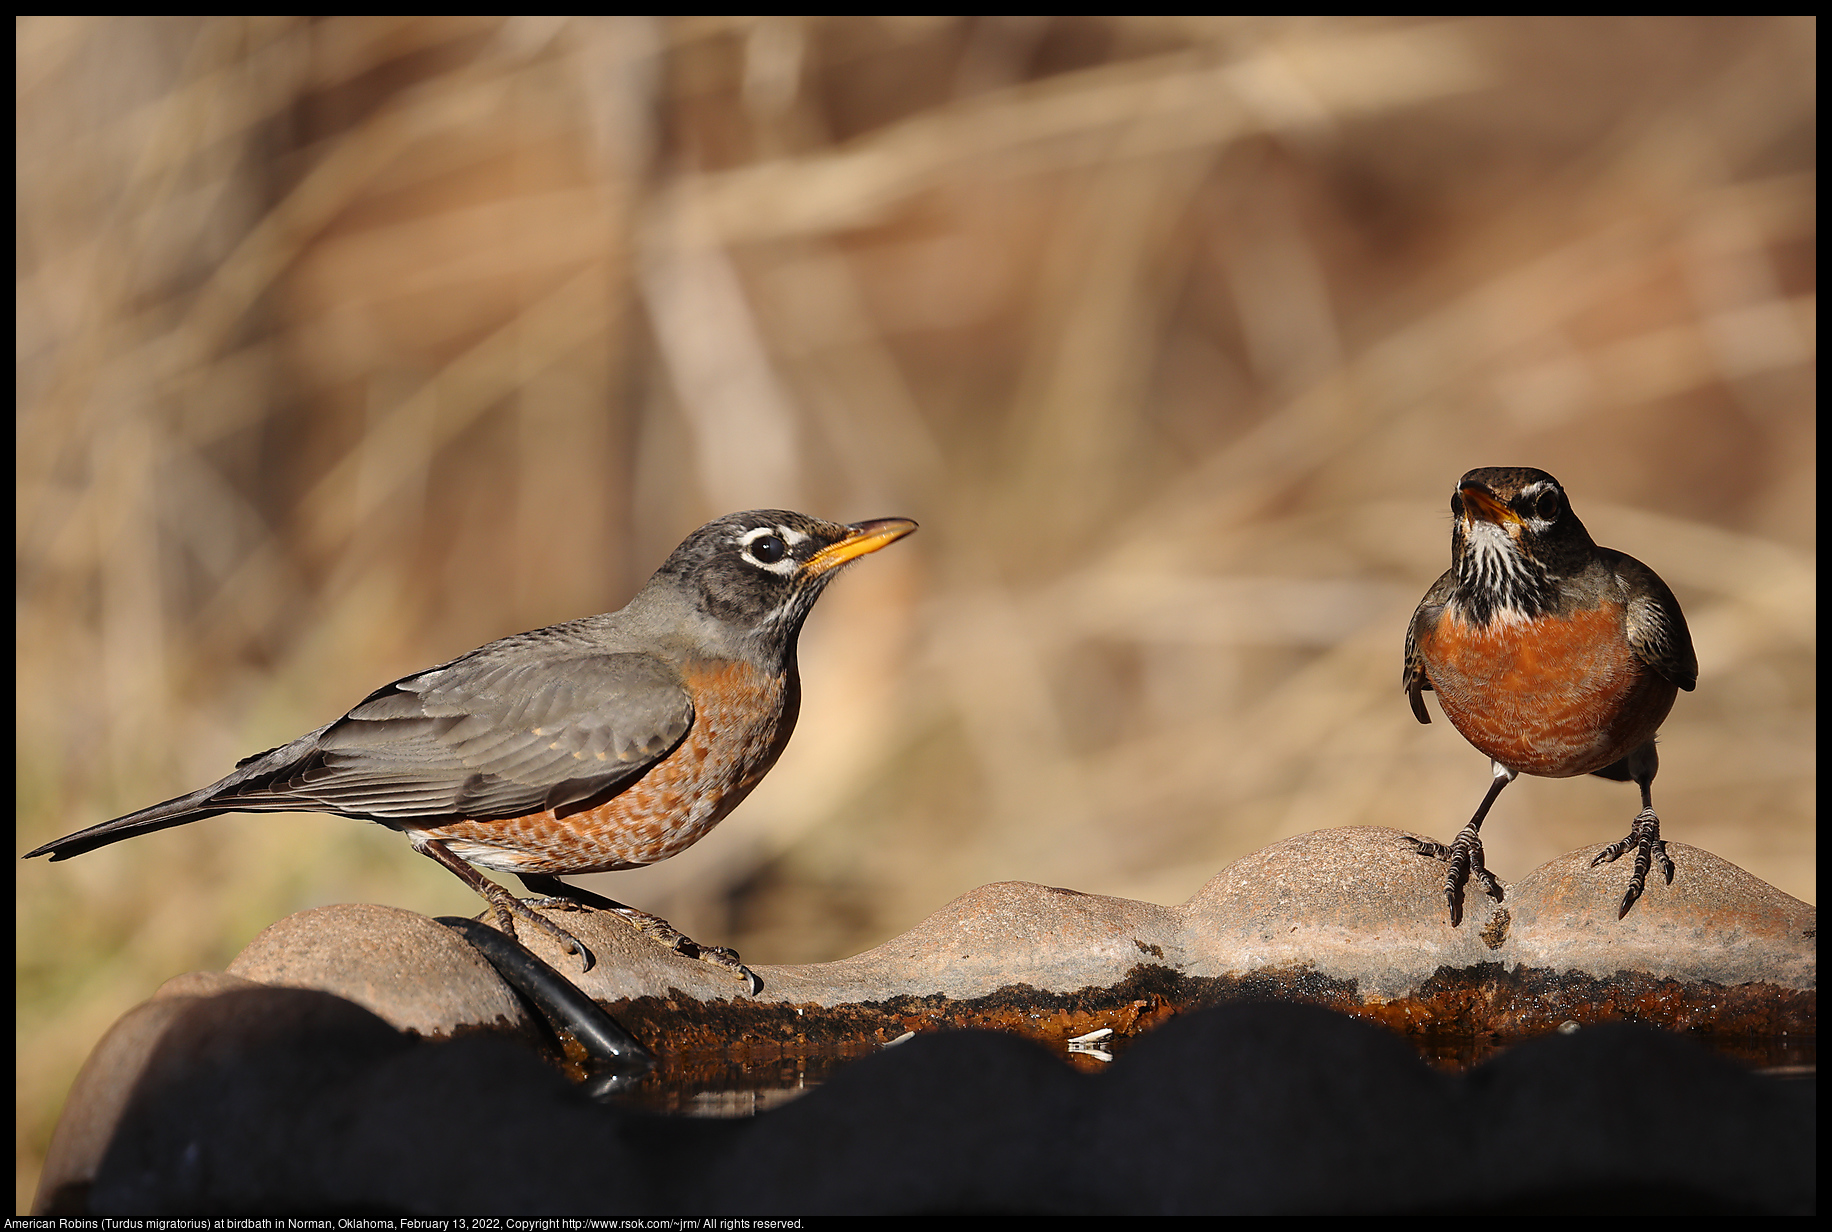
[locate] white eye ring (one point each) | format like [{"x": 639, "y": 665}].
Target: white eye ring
[
  {"x": 782, "y": 567},
  {"x": 788, "y": 534}
]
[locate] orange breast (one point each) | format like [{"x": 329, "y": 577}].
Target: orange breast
[
  {"x": 742, "y": 720},
  {"x": 1555, "y": 696}
]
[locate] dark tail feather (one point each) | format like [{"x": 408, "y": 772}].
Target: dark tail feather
[{"x": 174, "y": 812}]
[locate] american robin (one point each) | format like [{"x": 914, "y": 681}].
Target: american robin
[
  {"x": 605, "y": 743},
  {"x": 1553, "y": 656}
]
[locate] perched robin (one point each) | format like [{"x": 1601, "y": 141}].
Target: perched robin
[
  {"x": 605, "y": 743},
  {"x": 1553, "y": 656}
]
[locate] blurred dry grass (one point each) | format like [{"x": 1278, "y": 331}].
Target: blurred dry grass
[{"x": 345, "y": 345}]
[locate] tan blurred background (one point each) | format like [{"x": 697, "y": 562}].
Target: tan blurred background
[{"x": 346, "y": 345}]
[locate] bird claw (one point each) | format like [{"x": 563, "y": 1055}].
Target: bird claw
[
  {"x": 503, "y": 905},
  {"x": 1465, "y": 859},
  {"x": 720, "y": 956},
  {"x": 1644, "y": 838},
  {"x": 506, "y": 910},
  {"x": 669, "y": 937},
  {"x": 566, "y": 897}
]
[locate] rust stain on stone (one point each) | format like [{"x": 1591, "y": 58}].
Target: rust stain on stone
[
  {"x": 776, "y": 1028},
  {"x": 765, "y": 1051},
  {"x": 1457, "y": 1018},
  {"x": 1496, "y": 930}
]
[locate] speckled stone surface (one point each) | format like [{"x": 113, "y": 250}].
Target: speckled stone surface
[
  {"x": 1009, "y": 932},
  {"x": 1356, "y": 908},
  {"x": 412, "y": 971},
  {"x": 1356, "y": 904},
  {"x": 1715, "y": 922}
]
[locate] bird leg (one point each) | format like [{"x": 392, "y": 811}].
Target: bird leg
[
  {"x": 1644, "y": 837},
  {"x": 503, "y": 905},
  {"x": 565, "y": 897},
  {"x": 1465, "y": 853}
]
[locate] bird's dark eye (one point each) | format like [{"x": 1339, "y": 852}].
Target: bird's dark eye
[
  {"x": 768, "y": 549},
  {"x": 1456, "y": 504},
  {"x": 1546, "y": 506}
]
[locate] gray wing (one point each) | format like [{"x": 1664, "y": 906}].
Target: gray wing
[
  {"x": 490, "y": 737},
  {"x": 1657, "y": 629},
  {"x": 501, "y": 732},
  {"x": 1430, "y": 608}
]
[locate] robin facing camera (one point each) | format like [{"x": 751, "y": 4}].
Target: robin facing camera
[
  {"x": 1551, "y": 655},
  {"x": 605, "y": 743}
]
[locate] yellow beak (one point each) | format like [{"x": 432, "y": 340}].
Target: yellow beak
[
  {"x": 1479, "y": 502},
  {"x": 866, "y": 537}
]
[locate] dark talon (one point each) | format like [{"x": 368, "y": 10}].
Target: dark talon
[
  {"x": 586, "y": 961},
  {"x": 1628, "y": 900},
  {"x": 723, "y": 956}
]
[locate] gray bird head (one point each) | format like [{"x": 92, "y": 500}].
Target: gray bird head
[{"x": 752, "y": 577}]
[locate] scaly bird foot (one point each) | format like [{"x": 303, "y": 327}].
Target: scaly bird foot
[
  {"x": 1465, "y": 859},
  {"x": 575, "y": 898},
  {"x": 506, "y": 907},
  {"x": 1644, "y": 837},
  {"x": 669, "y": 937}
]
